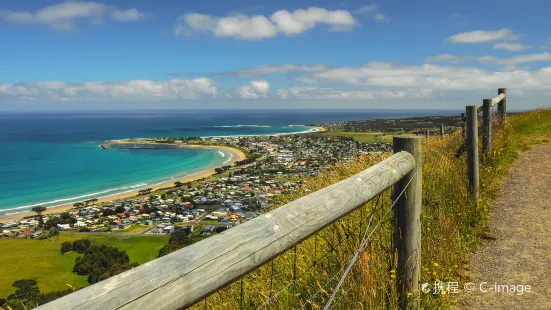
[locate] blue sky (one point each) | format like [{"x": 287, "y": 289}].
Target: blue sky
[{"x": 265, "y": 54}]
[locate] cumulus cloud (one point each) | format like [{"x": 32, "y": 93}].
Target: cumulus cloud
[
  {"x": 480, "y": 36},
  {"x": 454, "y": 59},
  {"x": 380, "y": 75},
  {"x": 275, "y": 69},
  {"x": 258, "y": 27},
  {"x": 512, "y": 46},
  {"x": 257, "y": 89},
  {"x": 128, "y": 90},
  {"x": 374, "y": 80},
  {"x": 349, "y": 94},
  {"x": 508, "y": 63},
  {"x": 63, "y": 16}
]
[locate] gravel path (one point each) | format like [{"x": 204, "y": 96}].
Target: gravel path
[{"x": 521, "y": 251}]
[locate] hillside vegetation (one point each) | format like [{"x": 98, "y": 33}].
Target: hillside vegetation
[
  {"x": 41, "y": 260},
  {"x": 452, "y": 226}
]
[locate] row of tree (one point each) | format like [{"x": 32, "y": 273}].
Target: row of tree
[
  {"x": 80, "y": 246},
  {"x": 27, "y": 296},
  {"x": 102, "y": 262}
]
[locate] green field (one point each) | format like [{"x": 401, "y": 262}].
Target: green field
[
  {"x": 369, "y": 137},
  {"x": 41, "y": 259},
  {"x": 134, "y": 229}
]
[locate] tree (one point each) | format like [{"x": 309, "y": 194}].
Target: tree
[
  {"x": 178, "y": 184},
  {"x": 66, "y": 246},
  {"x": 81, "y": 246},
  {"x": 25, "y": 289},
  {"x": 107, "y": 212},
  {"x": 78, "y": 205},
  {"x": 102, "y": 262},
  {"x": 120, "y": 209},
  {"x": 218, "y": 170},
  {"x": 38, "y": 210}
]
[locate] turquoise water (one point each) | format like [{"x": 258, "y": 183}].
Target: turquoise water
[{"x": 53, "y": 158}]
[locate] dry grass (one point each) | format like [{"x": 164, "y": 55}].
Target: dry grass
[{"x": 452, "y": 226}]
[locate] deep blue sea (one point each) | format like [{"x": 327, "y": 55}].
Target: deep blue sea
[{"x": 52, "y": 158}]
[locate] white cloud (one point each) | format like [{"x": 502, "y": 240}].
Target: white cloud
[
  {"x": 480, "y": 36},
  {"x": 128, "y": 15},
  {"x": 63, "y": 16},
  {"x": 276, "y": 69},
  {"x": 380, "y": 17},
  {"x": 378, "y": 75},
  {"x": 508, "y": 63},
  {"x": 129, "y": 90},
  {"x": 260, "y": 27},
  {"x": 516, "y": 60},
  {"x": 305, "y": 79},
  {"x": 372, "y": 10},
  {"x": 257, "y": 89},
  {"x": 512, "y": 46},
  {"x": 454, "y": 59},
  {"x": 374, "y": 80},
  {"x": 349, "y": 94}
]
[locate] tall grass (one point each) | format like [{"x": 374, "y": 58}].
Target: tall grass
[{"x": 452, "y": 226}]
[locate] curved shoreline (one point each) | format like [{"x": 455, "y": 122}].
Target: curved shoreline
[{"x": 236, "y": 155}]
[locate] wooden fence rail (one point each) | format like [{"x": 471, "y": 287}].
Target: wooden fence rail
[{"x": 184, "y": 277}]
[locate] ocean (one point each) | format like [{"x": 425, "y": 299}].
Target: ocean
[{"x": 53, "y": 158}]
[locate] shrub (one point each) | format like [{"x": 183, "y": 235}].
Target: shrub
[
  {"x": 81, "y": 246},
  {"x": 66, "y": 246}
]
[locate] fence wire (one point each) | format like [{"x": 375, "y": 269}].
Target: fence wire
[{"x": 351, "y": 263}]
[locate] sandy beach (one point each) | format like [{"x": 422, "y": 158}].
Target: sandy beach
[{"x": 236, "y": 155}]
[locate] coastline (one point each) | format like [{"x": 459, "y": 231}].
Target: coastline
[{"x": 236, "y": 155}]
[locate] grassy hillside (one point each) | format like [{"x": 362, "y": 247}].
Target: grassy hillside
[
  {"x": 42, "y": 261},
  {"x": 452, "y": 226},
  {"x": 369, "y": 137}
]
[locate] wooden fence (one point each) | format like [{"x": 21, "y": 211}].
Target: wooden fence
[
  {"x": 189, "y": 275},
  {"x": 185, "y": 277}
]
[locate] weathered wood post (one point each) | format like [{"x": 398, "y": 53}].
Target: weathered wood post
[
  {"x": 486, "y": 127},
  {"x": 442, "y": 131},
  {"x": 472, "y": 150},
  {"x": 502, "y": 106},
  {"x": 407, "y": 224}
]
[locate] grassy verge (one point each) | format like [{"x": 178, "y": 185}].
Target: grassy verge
[
  {"x": 134, "y": 229},
  {"x": 42, "y": 261},
  {"x": 369, "y": 137}
]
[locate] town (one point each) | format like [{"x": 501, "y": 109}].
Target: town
[{"x": 275, "y": 165}]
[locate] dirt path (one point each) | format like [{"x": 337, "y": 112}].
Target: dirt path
[{"x": 521, "y": 251}]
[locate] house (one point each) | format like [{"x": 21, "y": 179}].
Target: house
[
  {"x": 168, "y": 229},
  {"x": 63, "y": 226},
  {"x": 80, "y": 224}
]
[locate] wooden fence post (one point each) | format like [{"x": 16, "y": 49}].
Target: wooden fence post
[
  {"x": 407, "y": 224},
  {"x": 442, "y": 130},
  {"x": 502, "y": 106},
  {"x": 486, "y": 127},
  {"x": 472, "y": 150}
]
